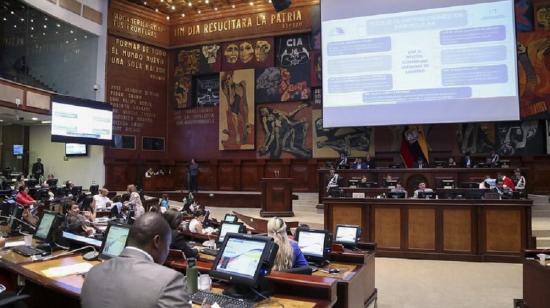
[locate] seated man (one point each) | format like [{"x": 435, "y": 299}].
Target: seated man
[
  {"x": 333, "y": 183},
  {"x": 421, "y": 188},
  {"x": 399, "y": 188},
  {"x": 358, "y": 164},
  {"x": 137, "y": 277},
  {"x": 77, "y": 223},
  {"x": 24, "y": 198},
  {"x": 504, "y": 191}
]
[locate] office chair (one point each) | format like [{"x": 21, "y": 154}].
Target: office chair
[
  {"x": 94, "y": 189},
  {"x": 304, "y": 270},
  {"x": 10, "y": 299}
]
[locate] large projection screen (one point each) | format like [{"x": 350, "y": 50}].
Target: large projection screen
[{"x": 396, "y": 62}]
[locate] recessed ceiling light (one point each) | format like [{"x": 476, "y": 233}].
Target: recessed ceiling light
[
  {"x": 46, "y": 18},
  {"x": 71, "y": 31},
  {"x": 173, "y": 7},
  {"x": 5, "y": 19},
  {"x": 144, "y": 2},
  {"x": 32, "y": 20},
  {"x": 233, "y": 6},
  {"x": 34, "y": 119},
  {"x": 66, "y": 42},
  {"x": 1, "y": 120},
  {"x": 56, "y": 32},
  {"x": 75, "y": 39},
  {"x": 199, "y": 11},
  {"x": 58, "y": 25},
  {"x": 12, "y": 12},
  {"x": 251, "y": 3},
  {"x": 85, "y": 36},
  {"x": 189, "y": 3},
  {"x": 215, "y": 8},
  {"x": 167, "y": 17},
  {"x": 206, "y": 1},
  {"x": 43, "y": 33},
  {"x": 22, "y": 19},
  {"x": 45, "y": 26},
  {"x": 15, "y": 26},
  {"x": 46, "y": 122},
  {"x": 32, "y": 28},
  {"x": 182, "y": 14},
  {"x": 157, "y": 10}
]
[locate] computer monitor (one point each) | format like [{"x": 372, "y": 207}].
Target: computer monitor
[
  {"x": 115, "y": 240},
  {"x": 315, "y": 244},
  {"x": 448, "y": 183},
  {"x": 229, "y": 227},
  {"x": 81, "y": 240},
  {"x": 76, "y": 190},
  {"x": 243, "y": 259},
  {"x": 15, "y": 217},
  {"x": 397, "y": 195},
  {"x": 52, "y": 182},
  {"x": 390, "y": 183},
  {"x": 30, "y": 183},
  {"x": 347, "y": 235},
  {"x": 46, "y": 226},
  {"x": 426, "y": 195},
  {"x": 94, "y": 189},
  {"x": 230, "y": 218}
]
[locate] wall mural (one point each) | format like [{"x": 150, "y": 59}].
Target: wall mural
[
  {"x": 294, "y": 84},
  {"x": 204, "y": 59},
  {"x": 253, "y": 53},
  {"x": 294, "y": 50},
  {"x": 284, "y": 131},
  {"x": 207, "y": 90},
  {"x": 268, "y": 81},
  {"x": 183, "y": 88},
  {"x": 476, "y": 138},
  {"x": 520, "y": 138},
  {"x": 236, "y": 114},
  {"x": 329, "y": 142}
]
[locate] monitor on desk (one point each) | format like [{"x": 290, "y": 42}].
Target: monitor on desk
[
  {"x": 81, "y": 240},
  {"x": 426, "y": 195},
  {"x": 448, "y": 183},
  {"x": 315, "y": 244},
  {"x": 347, "y": 235},
  {"x": 46, "y": 226},
  {"x": 397, "y": 195},
  {"x": 15, "y": 217},
  {"x": 390, "y": 183},
  {"x": 52, "y": 182},
  {"x": 244, "y": 259},
  {"x": 229, "y": 227},
  {"x": 230, "y": 218},
  {"x": 76, "y": 190},
  {"x": 30, "y": 183},
  {"x": 114, "y": 240}
]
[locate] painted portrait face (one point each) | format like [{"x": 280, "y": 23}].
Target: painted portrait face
[
  {"x": 246, "y": 52},
  {"x": 210, "y": 52},
  {"x": 231, "y": 53},
  {"x": 262, "y": 50}
]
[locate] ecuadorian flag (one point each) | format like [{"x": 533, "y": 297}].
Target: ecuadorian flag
[{"x": 414, "y": 146}]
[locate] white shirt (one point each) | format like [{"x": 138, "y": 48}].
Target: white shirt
[
  {"x": 101, "y": 201},
  {"x": 142, "y": 251},
  {"x": 193, "y": 225},
  {"x": 521, "y": 183}
]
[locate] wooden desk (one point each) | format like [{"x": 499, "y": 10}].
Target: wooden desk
[
  {"x": 469, "y": 230},
  {"x": 536, "y": 279},
  {"x": 355, "y": 281},
  {"x": 410, "y": 177}
]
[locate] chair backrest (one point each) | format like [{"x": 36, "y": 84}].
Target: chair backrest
[
  {"x": 260, "y": 225},
  {"x": 304, "y": 270}
]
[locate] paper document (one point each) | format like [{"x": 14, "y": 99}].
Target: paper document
[
  {"x": 67, "y": 270},
  {"x": 13, "y": 244}
]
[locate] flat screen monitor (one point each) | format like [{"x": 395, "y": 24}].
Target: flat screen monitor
[
  {"x": 76, "y": 149},
  {"x": 417, "y": 62},
  {"x": 76, "y": 190},
  {"x": 52, "y": 182},
  {"x": 81, "y": 240},
  {"x": 347, "y": 235},
  {"x": 426, "y": 195},
  {"x": 115, "y": 240},
  {"x": 229, "y": 227},
  {"x": 390, "y": 183},
  {"x": 46, "y": 226},
  {"x": 76, "y": 120},
  {"x": 315, "y": 244},
  {"x": 18, "y": 149},
  {"x": 241, "y": 258},
  {"x": 230, "y": 218},
  {"x": 397, "y": 194},
  {"x": 30, "y": 183}
]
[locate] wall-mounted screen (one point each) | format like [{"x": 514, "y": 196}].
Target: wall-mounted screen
[
  {"x": 397, "y": 62},
  {"x": 17, "y": 149},
  {"x": 77, "y": 120},
  {"x": 76, "y": 149}
]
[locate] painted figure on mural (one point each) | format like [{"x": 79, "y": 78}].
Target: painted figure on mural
[
  {"x": 283, "y": 132},
  {"x": 237, "y": 114}
]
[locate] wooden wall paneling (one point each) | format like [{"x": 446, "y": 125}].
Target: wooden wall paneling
[
  {"x": 349, "y": 214},
  {"x": 503, "y": 230},
  {"x": 387, "y": 227},
  {"x": 421, "y": 228},
  {"x": 457, "y": 229},
  {"x": 207, "y": 176},
  {"x": 227, "y": 179},
  {"x": 299, "y": 172},
  {"x": 250, "y": 176},
  {"x": 118, "y": 175}
]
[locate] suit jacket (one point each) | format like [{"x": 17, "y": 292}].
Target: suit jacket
[{"x": 133, "y": 281}]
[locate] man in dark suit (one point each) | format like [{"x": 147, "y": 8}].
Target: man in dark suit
[
  {"x": 468, "y": 162},
  {"x": 38, "y": 169},
  {"x": 137, "y": 277}
]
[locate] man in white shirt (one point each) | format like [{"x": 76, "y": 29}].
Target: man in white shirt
[
  {"x": 421, "y": 189},
  {"x": 101, "y": 201}
]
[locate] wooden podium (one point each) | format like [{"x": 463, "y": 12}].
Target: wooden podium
[{"x": 276, "y": 197}]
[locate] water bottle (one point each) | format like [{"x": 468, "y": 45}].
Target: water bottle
[{"x": 192, "y": 274}]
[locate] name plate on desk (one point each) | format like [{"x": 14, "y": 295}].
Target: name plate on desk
[{"x": 358, "y": 195}]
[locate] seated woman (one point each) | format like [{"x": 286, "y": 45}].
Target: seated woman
[
  {"x": 164, "y": 203},
  {"x": 289, "y": 254},
  {"x": 196, "y": 223},
  {"x": 24, "y": 198},
  {"x": 77, "y": 223},
  {"x": 174, "y": 219}
]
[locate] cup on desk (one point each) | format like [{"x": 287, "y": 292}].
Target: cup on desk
[
  {"x": 2, "y": 242},
  {"x": 205, "y": 282},
  {"x": 28, "y": 239}
]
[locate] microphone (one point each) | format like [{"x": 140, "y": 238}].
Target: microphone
[
  {"x": 68, "y": 253},
  {"x": 19, "y": 220}
]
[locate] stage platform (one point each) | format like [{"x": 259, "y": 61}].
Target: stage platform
[{"x": 216, "y": 198}]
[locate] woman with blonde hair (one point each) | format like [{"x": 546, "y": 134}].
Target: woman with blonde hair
[{"x": 289, "y": 254}]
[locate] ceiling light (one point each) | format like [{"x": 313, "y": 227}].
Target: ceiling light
[
  {"x": 1, "y": 120},
  {"x": 12, "y": 12},
  {"x": 157, "y": 10},
  {"x": 75, "y": 39},
  {"x": 66, "y": 42},
  {"x": 161, "y": 1},
  {"x": 233, "y": 6},
  {"x": 45, "y": 26},
  {"x": 215, "y": 8},
  {"x": 32, "y": 28},
  {"x": 85, "y": 36},
  {"x": 15, "y": 26},
  {"x": 251, "y": 3},
  {"x": 46, "y": 18},
  {"x": 32, "y": 20},
  {"x": 189, "y": 3},
  {"x": 34, "y": 119},
  {"x": 43, "y": 33},
  {"x": 206, "y": 1},
  {"x": 144, "y": 2},
  {"x": 199, "y": 11},
  {"x": 167, "y": 17},
  {"x": 22, "y": 19},
  {"x": 173, "y": 7},
  {"x": 46, "y": 122},
  {"x": 58, "y": 25},
  {"x": 182, "y": 14},
  {"x": 32, "y": 35},
  {"x": 71, "y": 31},
  {"x": 5, "y": 19},
  {"x": 56, "y": 32}
]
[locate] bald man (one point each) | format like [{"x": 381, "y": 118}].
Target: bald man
[{"x": 137, "y": 277}]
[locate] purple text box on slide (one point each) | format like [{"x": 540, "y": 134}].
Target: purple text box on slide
[
  {"x": 360, "y": 83},
  {"x": 378, "y": 44},
  {"x": 419, "y": 95},
  {"x": 420, "y": 22},
  {"x": 462, "y": 76},
  {"x": 473, "y": 55},
  {"x": 365, "y": 64},
  {"x": 472, "y": 35}
]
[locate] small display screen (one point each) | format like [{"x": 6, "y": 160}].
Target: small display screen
[
  {"x": 241, "y": 257},
  {"x": 312, "y": 243},
  {"x": 115, "y": 241}
]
